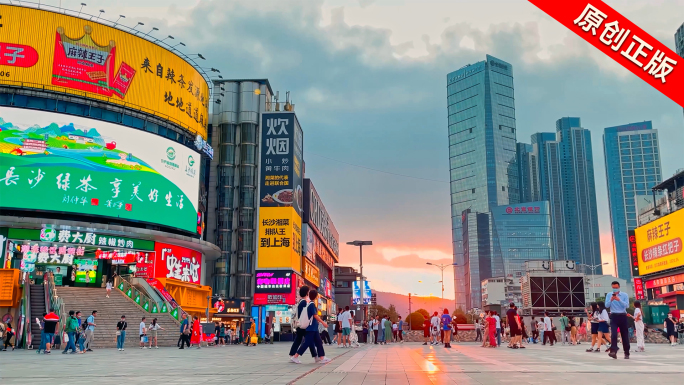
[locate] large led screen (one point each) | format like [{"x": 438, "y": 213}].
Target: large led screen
[{"x": 69, "y": 164}]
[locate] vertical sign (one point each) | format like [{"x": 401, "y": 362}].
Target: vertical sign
[
  {"x": 633, "y": 253},
  {"x": 639, "y": 288}
]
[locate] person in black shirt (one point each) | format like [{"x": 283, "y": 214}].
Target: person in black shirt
[
  {"x": 516, "y": 333},
  {"x": 121, "y": 333},
  {"x": 300, "y": 333}
]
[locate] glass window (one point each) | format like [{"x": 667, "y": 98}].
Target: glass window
[
  {"x": 248, "y": 175},
  {"x": 624, "y": 138},
  {"x": 625, "y": 144},
  {"x": 627, "y": 172},
  {"x": 650, "y": 171},
  {"x": 111, "y": 116},
  {"x": 152, "y": 127},
  {"x": 630, "y": 209},
  {"x": 650, "y": 178},
  {"x": 647, "y": 143},
  {"x": 133, "y": 122},
  {"x": 225, "y": 219},
  {"x": 227, "y": 133},
  {"x": 626, "y": 159},
  {"x": 639, "y": 179},
  {"x": 648, "y": 150},
  {"x": 224, "y": 239},
  {"x": 634, "y": 137},
  {"x": 625, "y": 152},
  {"x": 645, "y": 136},
  {"x": 245, "y": 241},
  {"x": 246, "y": 218},
  {"x": 225, "y": 175},
  {"x": 41, "y": 103},
  {"x": 629, "y": 187},
  {"x": 225, "y": 197},
  {"x": 648, "y": 157},
  {"x": 636, "y": 151},
  {"x": 248, "y": 153},
  {"x": 637, "y": 158},
  {"x": 5, "y": 99},
  {"x": 248, "y": 133},
  {"x": 648, "y": 164},
  {"x": 638, "y": 164},
  {"x": 227, "y": 153},
  {"x": 627, "y": 166},
  {"x": 628, "y": 179},
  {"x": 639, "y": 172},
  {"x": 641, "y": 186},
  {"x": 246, "y": 196},
  {"x": 74, "y": 108},
  {"x": 171, "y": 134}
]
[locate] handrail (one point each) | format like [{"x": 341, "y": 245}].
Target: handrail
[
  {"x": 139, "y": 297},
  {"x": 27, "y": 310},
  {"x": 54, "y": 301}
]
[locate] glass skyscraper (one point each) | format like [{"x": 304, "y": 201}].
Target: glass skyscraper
[
  {"x": 632, "y": 167},
  {"x": 482, "y": 155}
]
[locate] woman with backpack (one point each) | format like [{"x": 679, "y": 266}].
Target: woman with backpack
[{"x": 309, "y": 319}]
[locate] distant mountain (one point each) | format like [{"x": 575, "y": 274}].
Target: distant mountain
[
  {"x": 68, "y": 128},
  {"x": 400, "y": 301},
  {"x": 93, "y": 133}
]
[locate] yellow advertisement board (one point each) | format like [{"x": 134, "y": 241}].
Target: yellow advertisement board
[
  {"x": 61, "y": 53},
  {"x": 659, "y": 244},
  {"x": 310, "y": 272},
  {"x": 280, "y": 238}
]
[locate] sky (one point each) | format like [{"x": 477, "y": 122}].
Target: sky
[{"x": 368, "y": 79}]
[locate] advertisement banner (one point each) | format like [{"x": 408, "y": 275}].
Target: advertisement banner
[
  {"x": 633, "y": 252},
  {"x": 143, "y": 265},
  {"x": 228, "y": 306},
  {"x": 308, "y": 248},
  {"x": 280, "y": 238},
  {"x": 316, "y": 216},
  {"x": 310, "y": 272},
  {"x": 55, "y": 234},
  {"x": 177, "y": 262},
  {"x": 63, "y": 163},
  {"x": 639, "y": 289},
  {"x": 665, "y": 281},
  {"x": 275, "y": 299},
  {"x": 659, "y": 243},
  {"x": 621, "y": 40},
  {"x": 356, "y": 293},
  {"x": 281, "y": 161},
  {"x": 274, "y": 281},
  {"x": 44, "y": 49}
]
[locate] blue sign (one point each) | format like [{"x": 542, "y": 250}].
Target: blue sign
[{"x": 356, "y": 294}]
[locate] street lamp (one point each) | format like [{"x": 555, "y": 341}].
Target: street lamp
[
  {"x": 409, "y": 315},
  {"x": 361, "y": 244},
  {"x": 442, "y": 267},
  {"x": 593, "y": 271}
]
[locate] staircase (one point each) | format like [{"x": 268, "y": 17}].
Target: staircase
[
  {"x": 37, "y": 309},
  {"x": 109, "y": 312}
]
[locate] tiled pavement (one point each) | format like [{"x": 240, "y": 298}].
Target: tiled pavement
[{"x": 409, "y": 363}]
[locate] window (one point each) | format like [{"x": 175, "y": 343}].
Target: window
[
  {"x": 626, "y": 159},
  {"x": 637, "y": 158},
  {"x": 627, "y": 173},
  {"x": 503, "y": 188},
  {"x": 342, "y": 284},
  {"x": 473, "y": 191}
]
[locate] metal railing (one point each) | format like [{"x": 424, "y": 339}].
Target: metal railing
[
  {"x": 54, "y": 302},
  {"x": 27, "y": 312},
  {"x": 141, "y": 299}
]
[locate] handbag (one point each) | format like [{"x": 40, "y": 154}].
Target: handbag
[
  {"x": 254, "y": 340},
  {"x": 118, "y": 332},
  {"x": 143, "y": 339},
  {"x": 65, "y": 337}
]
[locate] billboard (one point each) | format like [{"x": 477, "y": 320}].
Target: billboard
[
  {"x": 356, "y": 293},
  {"x": 281, "y": 161},
  {"x": 64, "y": 163},
  {"x": 49, "y": 50},
  {"x": 280, "y": 238},
  {"x": 177, "y": 262},
  {"x": 633, "y": 253},
  {"x": 659, "y": 244},
  {"x": 273, "y": 281},
  {"x": 316, "y": 216}
]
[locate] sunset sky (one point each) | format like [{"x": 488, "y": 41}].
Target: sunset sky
[{"x": 368, "y": 79}]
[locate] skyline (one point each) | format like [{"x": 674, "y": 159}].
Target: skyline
[{"x": 334, "y": 59}]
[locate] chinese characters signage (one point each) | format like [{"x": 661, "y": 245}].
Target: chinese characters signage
[
  {"x": 639, "y": 288},
  {"x": 633, "y": 253},
  {"x": 225, "y": 306},
  {"x": 665, "y": 281},
  {"x": 80, "y": 237},
  {"x": 659, "y": 244},
  {"x": 281, "y": 161},
  {"x": 94, "y": 168},
  {"x": 177, "y": 262},
  {"x": 273, "y": 281},
  {"x": 318, "y": 219},
  {"x": 310, "y": 272},
  {"x": 523, "y": 210},
  {"x": 57, "y": 255},
  {"x": 280, "y": 238},
  {"x": 622, "y": 40},
  {"x": 100, "y": 62}
]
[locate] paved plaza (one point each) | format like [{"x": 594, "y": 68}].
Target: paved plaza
[{"x": 410, "y": 363}]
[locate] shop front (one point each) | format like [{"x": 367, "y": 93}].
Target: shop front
[
  {"x": 276, "y": 294},
  {"x": 228, "y": 313}
]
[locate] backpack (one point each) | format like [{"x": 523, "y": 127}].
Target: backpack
[{"x": 303, "y": 320}]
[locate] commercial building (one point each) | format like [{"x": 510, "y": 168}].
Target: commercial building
[
  {"x": 528, "y": 178},
  {"x": 499, "y": 243},
  {"x": 482, "y": 155},
  {"x": 345, "y": 278},
  {"x": 632, "y": 158},
  {"x": 501, "y": 291},
  {"x": 103, "y": 159},
  {"x": 566, "y": 172},
  {"x": 553, "y": 286}
]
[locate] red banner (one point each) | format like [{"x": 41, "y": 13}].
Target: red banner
[
  {"x": 177, "y": 262},
  {"x": 639, "y": 288},
  {"x": 622, "y": 40}
]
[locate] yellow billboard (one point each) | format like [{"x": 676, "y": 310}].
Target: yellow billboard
[
  {"x": 659, "y": 244},
  {"x": 280, "y": 238},
  {"x": 61, "y": 53}
]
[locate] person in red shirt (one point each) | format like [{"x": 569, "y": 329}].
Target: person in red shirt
[
  {"x": 50, "y": 329},
  {"x": 426, "y": 331}
]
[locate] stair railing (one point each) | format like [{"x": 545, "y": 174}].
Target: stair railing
[
  {"x": 54, "y": 302},
  {"x": 139, "y": 297},
  {"x": 27, "y": 311}
]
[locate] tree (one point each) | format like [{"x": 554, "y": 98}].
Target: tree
[
  {"x": 375, "y": 310},
  {"x": 423, "y": 312},
  {"x": 392, "y": 312},
  {"x": 416, "y": 320},
  {"x": 459, "y": 316}
]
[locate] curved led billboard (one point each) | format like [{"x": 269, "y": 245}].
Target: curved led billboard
[
  {"x": 64, "y": 163},
  {"x": 48, "y": 50}
]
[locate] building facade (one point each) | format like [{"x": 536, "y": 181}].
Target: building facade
[
  {"x": 501, "y": 291},
  {"x": 482, "y": 153},
  {"x": 528, "y": 178},
  {"x": 632, "y": 158}
]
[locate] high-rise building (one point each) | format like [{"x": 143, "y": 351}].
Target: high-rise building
[
  {"x": 567, "y": 170},
  {"x": 482, "y": 153},
  {"x": 538, "y": 141},
  {"x": 527, "y": 173},
  {"x": 632, "y": 167}
]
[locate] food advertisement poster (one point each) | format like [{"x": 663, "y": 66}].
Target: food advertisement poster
[
  {"x": 63, "y": 163},
  {"x": 659, "y": 243},
  {"x": 280, "y": 239},
  {"x": 281, "y": 161},
  {"x": 79, "y": 56},
  {"x": 177, "y": 262}
]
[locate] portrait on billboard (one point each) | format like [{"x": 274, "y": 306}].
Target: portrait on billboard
[{"x": 64, "y": 163}]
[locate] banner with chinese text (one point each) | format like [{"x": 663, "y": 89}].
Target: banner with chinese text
[
  {"x": 280, "y": 238},
  {"x": 659, "y": 244}
]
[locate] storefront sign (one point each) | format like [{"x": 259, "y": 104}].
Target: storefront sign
[
  {"x": 659, "y": 244},
  {"x": 55, "y": 255},
  {"x": 633, "y": 253},
  {"x": 226, "y": 306},
  {"x": 665, "y": 281},
  {"x": 280, "y": 238},
  {"x": 310, "y": 272},
  {"x": 177, "y": 262},
  {"x": 323, "y": 253},
  {"x": 274, "y": 299},
  {"x": 50, "y": 234},
  {"x": 143, "y": 265},
  {"x": 273, "y": 281},
  {"x": 317, "y": 217},
  {"x": 639, "y": 288},
  {"x": 308, "y": 240},
  {"x": 204, "y": 147}
]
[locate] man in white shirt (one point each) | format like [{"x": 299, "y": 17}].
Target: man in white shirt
[
  {"x": 371, "y": 335},
  {"x": 143, "y": 332},
  {"x": 548, "y": 329},
  {"x": 376, "y": 325},
  {"x": 345, "y": 319},
  {"x": 498, "y": 329},
  {"x": 434, "y": 328}
]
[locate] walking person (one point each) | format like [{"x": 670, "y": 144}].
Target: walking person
[
  {"x": 582, "y": 331},
  {"x": 573, "y": 330},
  {"x": 514, "y": 327},
  {"x": 309, "y": 318},
  {"x": 70, "y": 329},
  {"x": 323, "y": 331},
  {"x": 121, "y": 333},
  {"x": 548, "y": 329},
  {"x": 388, "y": 329},
  {"x": 267, "y": 331},
  {"x": 300, "y": 332},
  {"x": 153, "y": 331},
  {"x": 9, "y": 333},
  {"x": 381, "y": 331},
  {"x": 446, "y": 327},
  {"x": 41, "y": 325},
  {"x": 400, "y": 326},
  {"x": 426, "y": 330},
  {"x": 478, "y": 330},
  {"x": 491, "y": 327},
  {"x": 395, "y": 330},
  {"x": 603, "y": 322},
  {"x": 371, "y": 335},
  {"x": 338, "y": 327},
  {"x": 50, "y": 329},
  {"x": 535, "y": 332},
  {"x": 196, "y": 337},
  {"x": 671, "y": 328},
  {"x": 143, "y": 334},
  {"x": 109, "y": 288},
  {"x": 90, "y": 331},
  {"x": 498, "y": 329},
  {"x": 618, "y": 302},
  {"x": 184, "y": 332},
  {"x": 593, "y": 316},
  {"x": 376, "y": 328},
  {"x": 435, "y": 328},
  {"x": 639, "y": 326},
  {"x": 565, "y": 328}
]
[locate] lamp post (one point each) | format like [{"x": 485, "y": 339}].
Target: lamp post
[
  {"x": 360, "y": 244},
  {"x": 593, "y": 271},
  {"x": 409, "y": 315},
  {"x": 441, "y": 267}
]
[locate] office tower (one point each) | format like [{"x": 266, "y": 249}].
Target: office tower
[
  {"x": 568, "y": 176},
  {"x": 539, "y": 141},
  {"x": 482, "y": 154},
  {"x": 632, "y": 167},
  {"x": 527, "y": 173}
]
